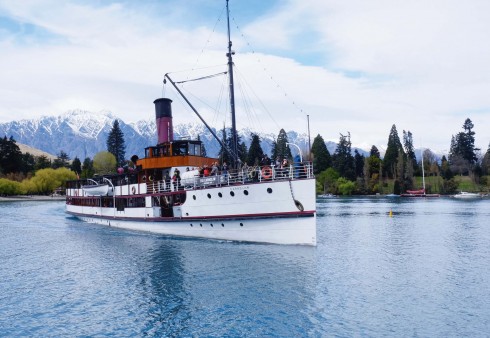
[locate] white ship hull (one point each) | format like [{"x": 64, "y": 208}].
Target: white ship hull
[{"x": 279, "y": 212}]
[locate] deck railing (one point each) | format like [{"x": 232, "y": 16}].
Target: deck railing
[{"x": 244, "y": 175}]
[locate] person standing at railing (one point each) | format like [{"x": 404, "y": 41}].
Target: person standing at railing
[
  {"x": 214, "y": 169},
  {"x": 224, "y": 170}
]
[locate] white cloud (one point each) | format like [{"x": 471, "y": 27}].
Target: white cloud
[{"x": 420, "y": 65}]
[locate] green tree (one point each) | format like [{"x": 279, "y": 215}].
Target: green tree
[
  {"x": 374, "y": 152},
  {"x": 255, "y": 152},
  {"x": 28, "y": 163},
  {"x": 42, "y": 162},
  {"x": 342, "y": 160},
  {"x": 115, "y": 143},
  {"x": 61, "y": 161},
  {"x": 358, "y": 164},
  {"x": 280, "y": 149},
  {"x": 485, "y": 163},
  {"x": 104, "y": 163},
  {"x": 45, "y": 181},
  {"x": 392, "y": 151},
  {"x": 462, "y": 152},
  {"x": 345, "y": 187},
  {"x": 446, "y": 172},
  {"x": 409, "y": 150},
  {"x": 10, "y": 156},
  {"x": 321, "y": 156},
  {"x": 327, "y": 181},
  {"x": 9, "y": 188},
  {"x": 243, "y": 152},
  {"x": 87, "y": 168},
  {"x": 223, "y": 152},
  {"x": 76, "y": 165}
]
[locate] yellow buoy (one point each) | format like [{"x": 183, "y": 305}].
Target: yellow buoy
[{"x": 391, "y": 213}]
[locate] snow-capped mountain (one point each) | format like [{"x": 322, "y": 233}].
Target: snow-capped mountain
[{"x": 83, "y": 134}]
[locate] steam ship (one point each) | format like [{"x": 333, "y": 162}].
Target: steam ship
[{"x": 171, "y": 191}]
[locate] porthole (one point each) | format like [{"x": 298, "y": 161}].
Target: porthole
[
  {"x": 187, "y": 214},
  {"x": 245, "y": 192},
  {"x": 220, "y": 194},
  {"x": 200, "y": 225},
  {"x": 223, "y": 225},
  {"x": 232, "y": 193},
  {"x": 191, "y": 225},
  {"x": 209, "y": 195},
  {"x": 241, "y": 224},
  {"x": 269, "y": 190},
  {"x": 194, "y": 197},
  {"x": 211, "y": 225}
]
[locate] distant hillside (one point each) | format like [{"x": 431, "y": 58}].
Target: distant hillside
[
  {"x": 35, "y": 152},
  {"x": 83, "y": 134}
]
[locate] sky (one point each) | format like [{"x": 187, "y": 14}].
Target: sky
[{"x": 349, "y": 66}]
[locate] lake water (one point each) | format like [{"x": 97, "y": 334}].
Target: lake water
[{"x": 422, "y": 273}]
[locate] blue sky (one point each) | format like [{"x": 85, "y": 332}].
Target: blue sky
[{"x": 352, "y": 66}]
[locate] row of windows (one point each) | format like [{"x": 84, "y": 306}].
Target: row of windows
[
  {"x": 108, "y": 202},
  {"x": 232, "y": 194}
]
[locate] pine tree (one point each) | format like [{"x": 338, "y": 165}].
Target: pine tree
[
  {"x": 28, "y": 163},
  {"x": 280, "y": 149},
  {"x": 255, "y": 152},
  {"x": 243, "y": 152},
  {"x": 115, "y": 143},
  {"x": 358, "y": 164},
  {"x": 446, "y": 172},
  {"x": 462, "y": 153},
  {"x": 76, "y": 166},
  {"x": 343, "y": 161},
  {"x": 42, "y": 162},
  {"x": 409, "y": 149},
  {"x": 223, "y": 154},
  {"x": 391, "y": 156},
  {"x": 10, "y": 156},
  {"x": 374, "y": 152},
  {"x": 229, "y": 144},
  {"x": 485, "y": 163},
  {"x": 321, "y": 156},
  {"x": 87, "y": 168},
  {"x": 62, "y": 161}
]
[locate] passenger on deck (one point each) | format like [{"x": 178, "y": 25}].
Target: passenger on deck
[
  {"x": 224, "y": 170},
  {"x": 206, "y": 170},
  {"x": 214, "y": 169}
]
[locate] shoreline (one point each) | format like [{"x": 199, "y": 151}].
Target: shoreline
[{"x": 17, "y": 198}]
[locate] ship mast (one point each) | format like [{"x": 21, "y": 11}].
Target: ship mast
[{"x": 234, "y": 137}]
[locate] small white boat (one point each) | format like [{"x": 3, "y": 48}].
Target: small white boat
[
  {"x": 96, "y": 189},
  {"x": 467, "y": 195}
]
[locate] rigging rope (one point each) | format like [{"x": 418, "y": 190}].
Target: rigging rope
[
  {"x": 202, "y": 78},
  {"x": 265, "y": 69}
]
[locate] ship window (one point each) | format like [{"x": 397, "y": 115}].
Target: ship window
[
  {"x": 232, "y": 193},
  {"x": 209, "y": 195},
  {"x": 180, "y": 149},
  {"x": 197, "y": 149},
  {"x": 269, "y": 190},
  {"x": 245, "y": 192},
  {"x": 220, "y": 194},
  {"x": 194, "y": 197}
]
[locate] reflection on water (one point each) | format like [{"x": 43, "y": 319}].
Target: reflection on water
[{"x": 422, "y": 272}]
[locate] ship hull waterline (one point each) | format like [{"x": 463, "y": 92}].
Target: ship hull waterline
[{"x": 291, "y": 230}]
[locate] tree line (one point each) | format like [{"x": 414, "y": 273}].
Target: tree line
[{"x": 343, "y": 172}]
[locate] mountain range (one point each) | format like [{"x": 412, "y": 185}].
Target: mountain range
[{"x": 82, "y": 134}]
